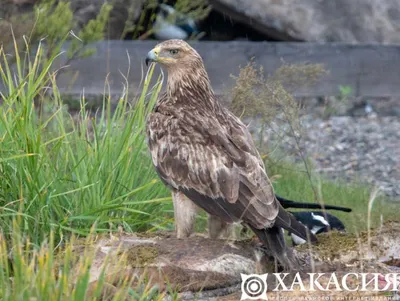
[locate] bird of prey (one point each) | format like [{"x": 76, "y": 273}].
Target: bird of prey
[
  {"x": 206, "y": 155},
  {"x": 170, "y": 24},
  {"x": 318, "y": 222}
]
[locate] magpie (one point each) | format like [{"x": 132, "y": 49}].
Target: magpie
[
  {"x": 314, "y": 220},
  {"x": 318, "y": 222}
]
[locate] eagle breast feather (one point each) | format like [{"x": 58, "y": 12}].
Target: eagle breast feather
[{"x": 195, "y": 151}]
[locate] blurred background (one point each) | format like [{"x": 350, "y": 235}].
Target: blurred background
[{"x": 367, "y": 21}]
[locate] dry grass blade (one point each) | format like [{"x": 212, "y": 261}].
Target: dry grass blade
[{"x": 268, "y": 100}]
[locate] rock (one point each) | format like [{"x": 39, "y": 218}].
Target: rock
[
  {"x": 213, "y": 266},
  {"x": 190, "y": 265},
  {"x": 356, "y": 149},
  {"x": 358, "y": 21}
]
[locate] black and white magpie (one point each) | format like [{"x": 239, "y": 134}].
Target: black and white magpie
[
  {"x": 170, "y": 24},
  {"x": 317, "y": 222},
  {"x": 314, "y": 220}
]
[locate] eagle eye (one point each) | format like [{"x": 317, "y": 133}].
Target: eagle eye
[{"x": 173, "y": 51}]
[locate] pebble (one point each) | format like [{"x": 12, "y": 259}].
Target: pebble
[{"x": 351, "y": 148}]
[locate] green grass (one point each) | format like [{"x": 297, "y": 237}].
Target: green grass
[
  {"x": 292, "y": 182},
  {"x": 40, "y": 273},
  {"x": 63, "y": 176}
]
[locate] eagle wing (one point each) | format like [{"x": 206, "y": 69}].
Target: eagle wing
[{"x": 213, "y": 161}]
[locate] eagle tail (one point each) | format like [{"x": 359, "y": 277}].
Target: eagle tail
[
  {"x": 274, "y": 242},
  {"x": 273, "y": 238},
  {"x": 287, "y": 221},
  {"x": 292, "y": 204}
]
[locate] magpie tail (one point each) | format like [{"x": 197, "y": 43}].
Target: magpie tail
[{"x": 292, "y": 204}]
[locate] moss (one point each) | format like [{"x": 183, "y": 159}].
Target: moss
[
  {"x": 142, "y": 255},
  {"x": 333, "y": 245},
  {"x": 157, "y": 234}
]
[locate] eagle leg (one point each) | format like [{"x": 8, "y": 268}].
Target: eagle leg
[
  {"x": 185, "y": 214},
  {"x": 218, "y": 227}
]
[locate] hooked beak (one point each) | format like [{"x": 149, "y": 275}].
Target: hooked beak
[{"x": 152, "y": 56}]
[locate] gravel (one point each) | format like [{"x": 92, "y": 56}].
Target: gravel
[{"x": 364, "y": 149}]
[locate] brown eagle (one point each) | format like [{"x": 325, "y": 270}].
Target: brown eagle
[{"x": 206, "y": 155}]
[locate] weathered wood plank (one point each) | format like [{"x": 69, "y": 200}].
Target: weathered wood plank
[{"x": 371, "y": 70}]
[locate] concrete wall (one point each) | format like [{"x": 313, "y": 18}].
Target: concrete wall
[{"x": 371, "y": 70}]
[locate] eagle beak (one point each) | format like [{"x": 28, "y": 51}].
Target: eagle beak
[{"x": 152, "y": 56}]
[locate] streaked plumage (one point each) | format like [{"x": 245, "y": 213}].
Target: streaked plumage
[{"x": 203, "y": 151}]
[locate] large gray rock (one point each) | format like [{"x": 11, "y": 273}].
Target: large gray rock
[{"x": 319, "y": 20}]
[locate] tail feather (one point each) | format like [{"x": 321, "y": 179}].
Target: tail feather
[
  {"x": 288, "y": 222},
  {"x": 273, "y": 238},
  {"x": 274, "y": 241},
  {"x": 292, "y": 204}
]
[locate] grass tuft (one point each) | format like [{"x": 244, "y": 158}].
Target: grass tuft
[
  {"x": 30, "y": 272},
  {"x": 63, "y": 173}
]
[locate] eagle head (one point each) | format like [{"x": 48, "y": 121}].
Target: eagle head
[{"x": 172, "y": 54}]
